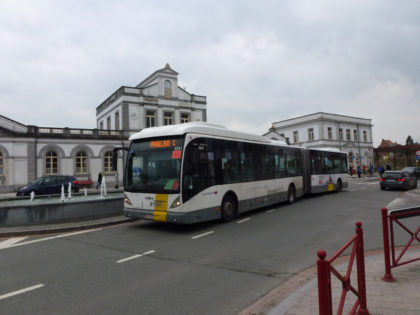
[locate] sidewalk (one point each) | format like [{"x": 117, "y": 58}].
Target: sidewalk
[{"x": 299, "y": 295}]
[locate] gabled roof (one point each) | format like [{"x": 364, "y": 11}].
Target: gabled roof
[
  {"x": 166, "y": 70},
  {"x": 386, "y": 143}
]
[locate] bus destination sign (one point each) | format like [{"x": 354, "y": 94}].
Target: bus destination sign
[{"x": 163, "y": 144}]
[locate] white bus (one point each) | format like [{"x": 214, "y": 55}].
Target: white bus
[{"x": 197, "y": 171}]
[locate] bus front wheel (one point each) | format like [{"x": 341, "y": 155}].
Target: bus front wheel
[
  {"x": 228, "y": 208},
  {"x": 339, "y": 185}
]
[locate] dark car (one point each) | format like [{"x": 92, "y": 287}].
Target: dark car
[
  {"x": 412, "y": 170},
  {"x": 49, "y": 185},
  {"x": 398, "y": 179}
]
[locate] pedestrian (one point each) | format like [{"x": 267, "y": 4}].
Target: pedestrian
[
  {"x": 351, "y": 170},
  {"x": 381, "y": 170},
  {"x": 364, "y": 169},
  {"x": 388, "y": 167},
  {"x": 100, "y": 176},
  {"x": 359, "y": 172}
]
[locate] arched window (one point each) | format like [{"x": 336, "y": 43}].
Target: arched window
[
  {"x": 108, "y": 162},
  {"x": 51, "y": 163},
  {"x": 168, "y": 88},
  {"x": 81, "y": 162},
  {"x": 1, "y": 164}
]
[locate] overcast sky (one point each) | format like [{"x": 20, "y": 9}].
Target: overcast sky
[{"x": 256, "y": 61}]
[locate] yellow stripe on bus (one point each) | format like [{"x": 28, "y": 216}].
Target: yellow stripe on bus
[{"x": 161, "y": 207}]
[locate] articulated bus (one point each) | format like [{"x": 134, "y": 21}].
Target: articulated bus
[{"x": 197, "y": 172}]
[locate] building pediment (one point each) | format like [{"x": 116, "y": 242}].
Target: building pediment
[{"x": 12, "y": 126}]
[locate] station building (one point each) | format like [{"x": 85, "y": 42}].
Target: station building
[
  {"x": 28, "y": 152},
  {"x": 352, "y": 135}
]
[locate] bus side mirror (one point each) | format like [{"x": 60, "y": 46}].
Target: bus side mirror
[{"x": 115, "y": 157}]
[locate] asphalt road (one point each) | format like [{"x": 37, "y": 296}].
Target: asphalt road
[{"x": 213, "y": 268}]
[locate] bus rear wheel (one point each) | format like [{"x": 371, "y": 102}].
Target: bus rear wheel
[
  {"x": 291, "y": 194},
  {"x": 228, "y": 208}
]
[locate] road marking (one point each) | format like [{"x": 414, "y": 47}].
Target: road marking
[
  {"x": 201, "y": 235},
  {"x": 136, "y": 256},
  {"x": 5, "y": 296},
  {"x": 271, "y": 210},
  {"x": 244, "y": 220},
  {"x": 50, "y": 238},
  {"x": 11, "y": 241}
]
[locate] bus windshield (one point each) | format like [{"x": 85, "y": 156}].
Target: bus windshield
[{"x": 154, "y": 165}]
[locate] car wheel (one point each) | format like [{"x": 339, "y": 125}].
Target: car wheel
[
  {"x": 382, "y": 188},
  {"x": 229, "y": 208}
]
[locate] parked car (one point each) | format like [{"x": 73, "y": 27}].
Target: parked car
[
  {"x": 398, "y": 179},
  {"x": 412, "y": 170},
  {"x": 49, "y": 185}
]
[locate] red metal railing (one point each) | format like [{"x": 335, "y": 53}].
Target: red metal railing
[
  {"x": 388, "y": 219},
  {"x": 325, "y": 269}
]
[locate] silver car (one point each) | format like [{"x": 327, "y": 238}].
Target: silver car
[{"x": 398, "y": 179}]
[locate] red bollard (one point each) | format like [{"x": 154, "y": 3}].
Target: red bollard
[
  {"x": 361, "y": 279},
  {"x": 388, "y": 276},
  {"x": 324, "y": 284}
]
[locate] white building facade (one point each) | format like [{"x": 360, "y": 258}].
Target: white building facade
[
  {"x": 156, "y": 101},
  {"x": 28, "y": 152},
  {"x": 351, "y": 135}
]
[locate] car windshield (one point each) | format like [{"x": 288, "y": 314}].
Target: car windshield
[
  {"x": 393, "y": 175},
  {"x": 154, "y": 165},
  {"x": 408, "y": 169}
]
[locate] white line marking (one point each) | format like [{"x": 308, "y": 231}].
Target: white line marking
[
  {"x": 5, "y": 296},
  {"x": 50, "y": 238},
  {"x": 11, "y": 241},
  {"x": 135, "y": 256},
  {"x": 201, "y": 235},
  {"x": 243, "y": 220},
  {"x": 270, "y": 210}
]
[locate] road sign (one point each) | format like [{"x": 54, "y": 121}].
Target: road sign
[{"x": 417, "y": 155}]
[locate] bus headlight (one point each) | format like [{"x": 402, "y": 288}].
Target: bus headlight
[
  {"x": 126, "y": 200},
  {"x": 176, "y": 202}
]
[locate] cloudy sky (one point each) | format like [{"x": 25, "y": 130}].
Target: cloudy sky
[{"x": 256, "y": 61}]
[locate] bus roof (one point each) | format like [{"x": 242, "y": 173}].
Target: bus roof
[
  {"x": 200, "y": 128},
  {"x": 326, "y": 149}
]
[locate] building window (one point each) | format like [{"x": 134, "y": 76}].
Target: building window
[
  {"x": 150, "y": 119},
  {"x": 355, "y": 135},
  {"x": 311, "y": 134},
  {"x": 108, "y": 162},
  {"x": 348, "y": 136},
  {"x": 329, "y": 131},
  {"x": 364, "y": 136},
  {"x": 108, "y": 123},
  {"x": 81, "y": 162},
  {"x": 1, "y": 164},
  {"x": 168, "y": 88},
  {"x": 340, "y": 133},
  {"x": 101, "y": 125},
  {"x": 295, "y": 137},
  {"x": 117, "y": 120},
  {"x": 185, "y": 118},
  {"x": 51, "y": 163},
  {"x": 168, "y": 119}
]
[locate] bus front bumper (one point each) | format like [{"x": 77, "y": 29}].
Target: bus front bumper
[{"x": 174, "y": 217}]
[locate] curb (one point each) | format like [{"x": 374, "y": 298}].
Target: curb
[
  {"x": 65, "y": 227},
  {"x": 279, "y": 300}
]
